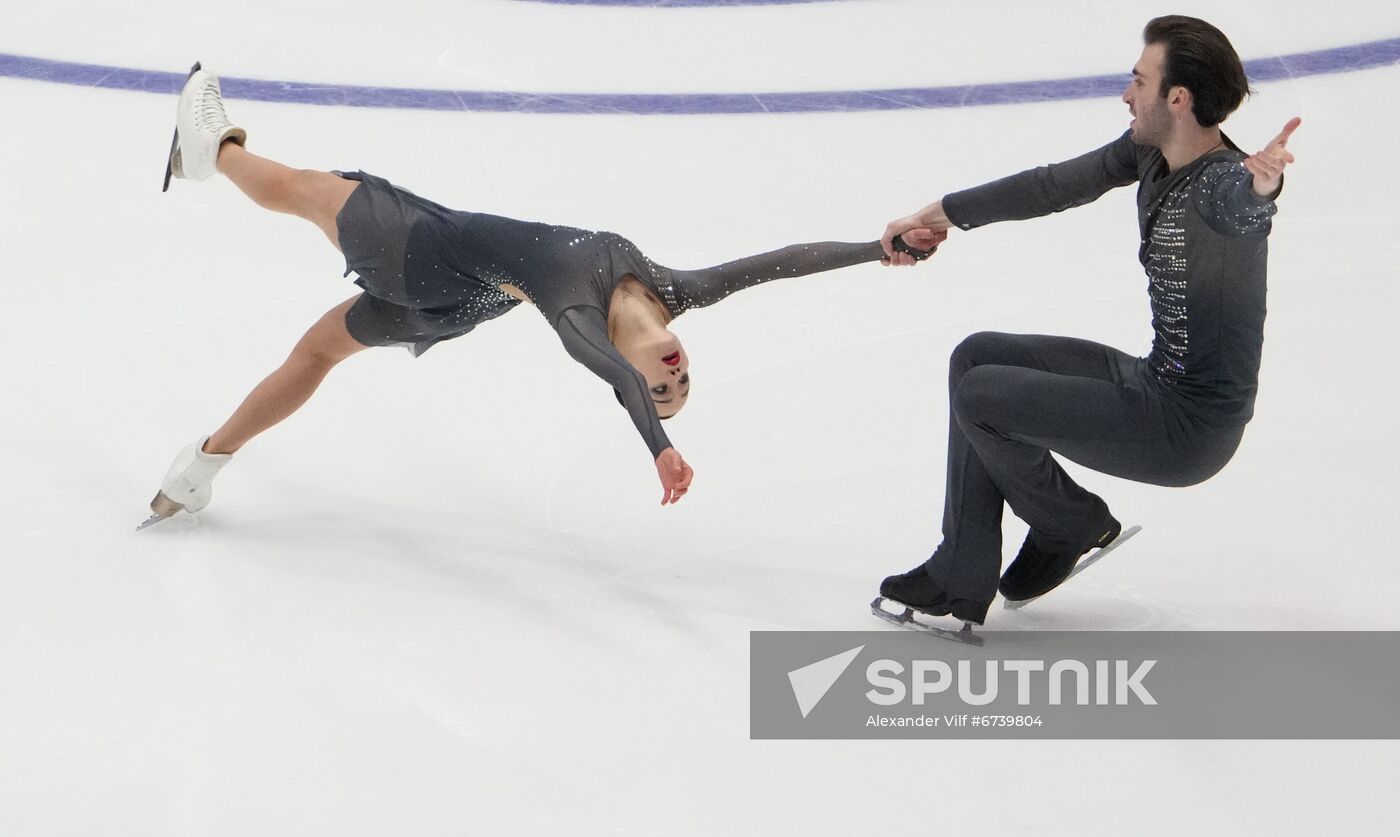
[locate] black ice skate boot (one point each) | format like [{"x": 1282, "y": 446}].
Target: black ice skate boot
[
  {"x": 916, "y": 590},
  {"x": 1036, "y": 571}
]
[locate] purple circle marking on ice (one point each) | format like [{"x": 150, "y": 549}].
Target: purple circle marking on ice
[
  {"x": 1337, "y": 60},
  {"x": 679, "y": 4}
]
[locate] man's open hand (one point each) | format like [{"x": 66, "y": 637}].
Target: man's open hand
[{"x": 1267, "y": 166}]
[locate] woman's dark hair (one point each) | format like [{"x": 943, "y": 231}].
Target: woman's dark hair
[
  {"x": 618, "y": 393},
  {"x": 1201, "y": 59}
]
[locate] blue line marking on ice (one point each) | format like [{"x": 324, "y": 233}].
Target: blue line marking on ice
[{"x": 1337, "y": 60}]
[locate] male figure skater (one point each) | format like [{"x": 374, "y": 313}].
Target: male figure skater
[{"x": 1173, "y": 418}]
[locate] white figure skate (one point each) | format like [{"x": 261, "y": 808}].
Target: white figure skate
[
  {"x": 201, "y": 127},
  {"x": 189, "y": 484}
]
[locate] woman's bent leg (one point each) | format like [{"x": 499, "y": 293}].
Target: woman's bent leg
[
  {"x": 284, "y": 391},
  {"x": 316, "y": 196}
]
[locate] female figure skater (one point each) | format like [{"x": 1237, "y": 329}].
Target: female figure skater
[{"x": 430, "y": 274}]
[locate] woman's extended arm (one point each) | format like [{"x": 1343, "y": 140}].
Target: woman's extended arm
[
  {"x": 584, "y": 333},
  {"x": 699, "y": 288}
]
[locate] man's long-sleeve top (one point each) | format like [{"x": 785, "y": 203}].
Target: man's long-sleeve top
[{"x": 1204, "y": 247}]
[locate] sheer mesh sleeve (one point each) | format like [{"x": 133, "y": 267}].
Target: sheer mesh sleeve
[
  {"x": 699, "y": 288},
  {"x": 584, "y": 332}
]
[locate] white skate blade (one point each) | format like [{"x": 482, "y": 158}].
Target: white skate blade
[
  {"x": 170, "y": 158},
  {"x": 1084, "y": 564},
  {"x": 907, "y": 620},
  {"x": 151, "y": 521}
]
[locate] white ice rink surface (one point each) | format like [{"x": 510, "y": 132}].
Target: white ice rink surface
[{"x": 442, "y": 599}]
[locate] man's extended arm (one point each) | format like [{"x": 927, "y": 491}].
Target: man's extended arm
[
  {"x": 1237, "y": 199},
  {"x": 1029, "y": 194},
  {"x": 1229, "y": 203}
]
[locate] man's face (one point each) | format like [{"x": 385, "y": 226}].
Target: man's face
[{"x": 1152, "y": 120}]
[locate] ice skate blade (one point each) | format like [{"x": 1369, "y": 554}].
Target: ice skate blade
[
  {"x": 907, "y": 620},
  {"x": 164, "y": 508},
  {"x": 172, "y": 160},
  {"x": 1084, "y": 564},
  {"x": 151, "y": 521}
]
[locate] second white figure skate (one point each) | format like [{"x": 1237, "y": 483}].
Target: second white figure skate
[{"x": 189, "y": 484}]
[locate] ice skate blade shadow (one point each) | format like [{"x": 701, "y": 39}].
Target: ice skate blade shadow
[{"x": 1091, "y": 611}]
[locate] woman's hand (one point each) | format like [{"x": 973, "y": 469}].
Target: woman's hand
[
  {"x": 675, "y": 475},
  {"x": 931, "y": 219},
  {"x": 917, "y": 245}
]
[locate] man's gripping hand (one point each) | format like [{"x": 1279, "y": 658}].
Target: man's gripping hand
[
  {"x": 930, "y": 221},
  {"x": 918, "y": 245}
]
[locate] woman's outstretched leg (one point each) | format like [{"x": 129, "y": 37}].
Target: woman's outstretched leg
[
  {"x": 289, "y": 386},
  {"x": 207, "y": 142},
  {"x": 316, "y": 196},
  {"x": 189, "y": 484}
]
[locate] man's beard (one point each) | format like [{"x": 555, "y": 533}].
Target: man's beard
[{"x": 1152, "y": 127}]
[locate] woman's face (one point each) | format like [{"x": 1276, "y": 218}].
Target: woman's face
[{"x": 666, "y": 367}]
